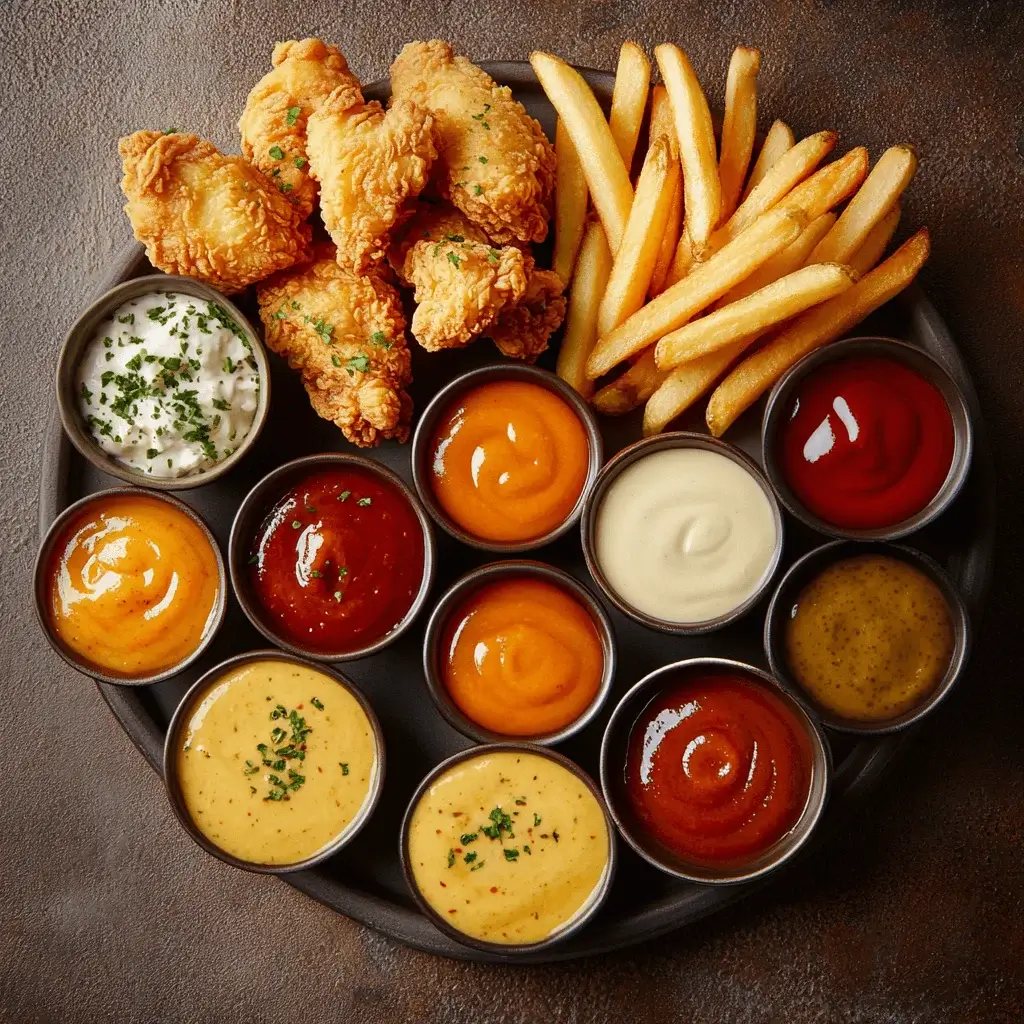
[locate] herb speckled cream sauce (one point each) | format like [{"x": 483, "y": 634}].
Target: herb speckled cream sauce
[
  {"x": 509, "y": 847},
  {"x": 276, "y": 761},
  {"x": 168, "y": 385}
]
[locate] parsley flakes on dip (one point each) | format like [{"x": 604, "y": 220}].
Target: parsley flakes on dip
[{"x": 168, "y": 384}]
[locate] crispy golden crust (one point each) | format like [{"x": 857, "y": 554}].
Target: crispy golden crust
[
  {"x": 206, "y": 215},
  {"x": 430, "y": 221},
  {"x": 368, "y": 165},
  {"x": 523, "y": 331},
  {"x": 305, "y": 72},
  {"x": 495, "y": 163},
  {"x": 345, "y": 334}
]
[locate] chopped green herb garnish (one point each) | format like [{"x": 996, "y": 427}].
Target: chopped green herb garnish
[
  {"x": 276, "y": 153},
  {"x": 293, "y": 114},
  {"x": 219, "y": 403},
  {"x": 359, "y": 363},
  {"x": 477, "y": 190},
  {"x": 511, "y": 854},
  {"x": 86, "y": 394},
  {"x": 296, "y": 525},
  {"x": 536, "y": 819},
  {"x": 469, "y": 837},
  {"x": 253, "y": 559},
  {"x": 152, "y": 453},
  {"x": 482, "y": 159},
  {"x": 344, "y": 496},
  {"x": 337, "y": 596},
  {"x": 344, "y": 767},
  {"x": 316, "y": 703},
  {"x": 300, "y": 161},
  {"x": 379, "y": 339},
  {"x": 364, "y": 502},
  {"x": 470, "y": 857},
  {"x": 335, "y": 361},
  {"x": 454, "y": 260},
  {"x": 451, "y": 858}
]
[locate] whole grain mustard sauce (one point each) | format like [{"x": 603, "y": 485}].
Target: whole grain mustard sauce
[
  {"x": 276, "y": 761},
  {"x": 509, "y": 847}
]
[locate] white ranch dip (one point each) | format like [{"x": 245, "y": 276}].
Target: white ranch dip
[
  {"x": 684, "y": 535},
  {"x": 168, "y": 385}
]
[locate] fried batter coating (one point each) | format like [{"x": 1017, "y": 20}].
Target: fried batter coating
[
  {"x": 345, "y": 334},
  {"x": 368, "y": 165},
  {"x": 495, "y": 163},
  {"x": 273, "y": 124},
  {"x": 206, "y": 215},
  {"x": 523, "y": 331}
]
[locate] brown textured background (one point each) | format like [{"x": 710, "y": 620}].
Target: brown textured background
[{"x": 109, "y": 912}]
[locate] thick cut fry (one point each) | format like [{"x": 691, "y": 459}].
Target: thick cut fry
[
  {"x": 831, "y": 185},
  {"x": 682, "y": 259},
  {"x": 778, "y": 141},
  {"x": 739, "y": 125},
  {"x": 570, "y": 204},
  {"x": 631, "y": 388},
  {"x": 696, "y": 136},
  {"x": 879, "y": 193},
  {"x": 629, "y": 99},
  {"x": 758, "y": 372},
  {"x": 788, "y": 172},
  {"x": 793, "y": 257},
  {"x": 635, "y": 257},
  {"x": 678, "y": 389},
  {"x": 702, "y": 286},
  {"x": 669, "y": 240},
  {"x": 606, "y": 174},
  {"x": 662, "y": 118},
  {"x": 589, "y": 281},
  {"x": 873, "y": 247},
  {"x": 778, "y": 301}
]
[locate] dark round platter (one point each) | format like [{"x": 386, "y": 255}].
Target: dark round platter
[{"x": 364, "y": 881}]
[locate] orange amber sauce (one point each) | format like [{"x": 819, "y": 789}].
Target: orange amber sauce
[{"x": 509, "y": 461}]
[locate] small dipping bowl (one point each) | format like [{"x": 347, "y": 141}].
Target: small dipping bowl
[
  {"x": 44, "y": 567},
  {"x": 473, "y": 582},
  {"x": 614, "y": 753},
  {"x": 251, "y": 515},
  {"x": 183, "y": 717},
  {"x": 780, "y": 408},
  {"x": 783, "y": 605},
  {"x": 82, "y": 333},
  {"x": 431, "y": 420},
  {"x": 633, "y": 454},
  {"x": 487, "y": 847}
]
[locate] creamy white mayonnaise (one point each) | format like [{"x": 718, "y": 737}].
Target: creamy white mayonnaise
[
  {"x": 684, "y": 535},
  {"x": 169, "y": 384}
]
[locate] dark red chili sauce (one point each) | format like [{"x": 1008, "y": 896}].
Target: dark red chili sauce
[
  {"x": 718, "y": 769},
  {"x": 868, "y": 444},
  {"x": 338, "y": 561}
]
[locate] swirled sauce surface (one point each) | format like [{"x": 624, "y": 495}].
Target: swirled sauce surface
[
  {"x": 509, "y": 461},
  {"x": 522, "y": 657},
  {"x": 718, "y": 769},
  {"x": 685, "y": 535},
  {"x": 133, "y": 585}
]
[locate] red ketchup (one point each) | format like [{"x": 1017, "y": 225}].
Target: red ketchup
[
  {"x": 338, "y": 561},
  {"x": 718, "y": 769},
  {"x": 868, "y": 444}
]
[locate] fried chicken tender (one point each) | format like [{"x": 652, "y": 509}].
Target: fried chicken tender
[
  {"x": 206, "y": 215},
  {"x": 345, "y": 334},
  {"x": 466, "y": 286},
  {"x": 273, "y": 124},
  {"x": 495, "y": 163},
  {"x": 368, "y": 164}
]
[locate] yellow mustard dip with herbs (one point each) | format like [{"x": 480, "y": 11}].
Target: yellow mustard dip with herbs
[
  {"x": 509, "y": 847},
  {"x": 276, "y": 761}
]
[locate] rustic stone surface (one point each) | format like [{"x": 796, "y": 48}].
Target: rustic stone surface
[{"x": 109, "y": 912}]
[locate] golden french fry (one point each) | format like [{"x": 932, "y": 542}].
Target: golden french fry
[
  {"x": 829, "y": 186},
  {"x": 631, "y": 388},
  {"x": 779, "y": 140},
  {"x": 872, "y": 248},
  {"x": 879, "y": 193},
  {"x": 758, "y": 372},
  {"x": 570, "y": 204},
  {"x": 606, "y": 174},
  {"x": 705, "y": 283},
  {"x": 696, "y": 136},
  {"x": 593, "y": 266},
  {"x": 678, "y": 389},
  {"x": 793, "y": 257},
  {"x": 790, "y": 169},
  {"x": 739, "y": 126},
  {"x": 683, "y": 258},
  {"x": 669, "y": 241},
  {"x": 629, "y": 99},
  {"x": 662, "y": 118},
  {"x": 636, "y": 256},
  {"x": 778, "y": 301}
]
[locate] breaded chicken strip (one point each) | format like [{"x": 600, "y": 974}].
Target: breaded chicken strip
[
  {"x": 368, "y": 164},
  {"x": 466, "y": 287},
  {"x": 273, "y": 124},
  {"x": 345, "y": 334},
  {"x": 206, "y": 215},
  {"x": 495, "y": 163}
]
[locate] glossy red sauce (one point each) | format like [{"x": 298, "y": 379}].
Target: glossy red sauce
[
  {"x": 338, "y": 560},
  {"x": 718, "y": 769},
  {"x": 869, "y": 442}
]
